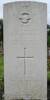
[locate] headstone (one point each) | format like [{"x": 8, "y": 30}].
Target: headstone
[{"x": 25, "y": 50}]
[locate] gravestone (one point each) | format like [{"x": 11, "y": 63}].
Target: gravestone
[{"x": 25, "y": 50}]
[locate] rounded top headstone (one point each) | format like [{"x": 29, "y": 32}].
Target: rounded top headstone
[{"x": 12, "y": 1}]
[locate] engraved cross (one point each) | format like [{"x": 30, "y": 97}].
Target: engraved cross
[{"x": 25, "y": 57}]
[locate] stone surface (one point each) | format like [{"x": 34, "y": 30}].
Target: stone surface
[{"x": 25, "y": 50}]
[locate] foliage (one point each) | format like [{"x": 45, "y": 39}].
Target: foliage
[
  {"x": 1, "y": 30},
  {"x": 1, "y": 77},
  {"x": 48, "y": 26},
  {"x": 48, "y": 41},
  {"x": 48, "y": 64},
  {"x": 1, "y": 66},
  {"x": 49, "y": 32},
  {"x": 48, "y": 75}
]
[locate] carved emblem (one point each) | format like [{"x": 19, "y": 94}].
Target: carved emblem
[{"x": 25, "y": 18}]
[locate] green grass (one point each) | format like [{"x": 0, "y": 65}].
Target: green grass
[{"x": 1, "y": 67}]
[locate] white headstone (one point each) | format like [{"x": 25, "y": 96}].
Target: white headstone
[{"x": 25, "y": 50}]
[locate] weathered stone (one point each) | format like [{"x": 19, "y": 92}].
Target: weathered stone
[{"x": 25, "y": 50}]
